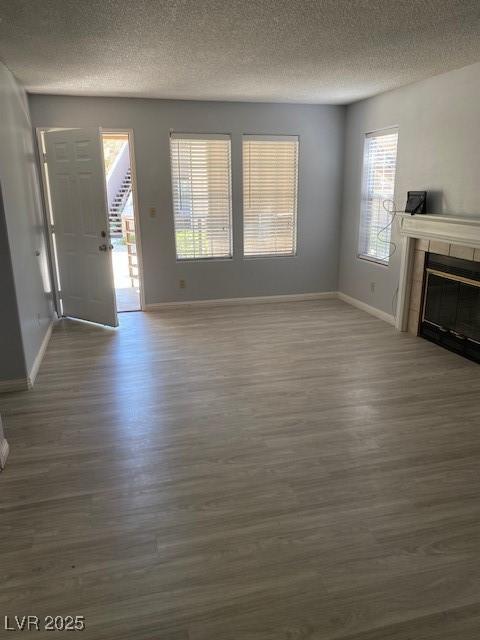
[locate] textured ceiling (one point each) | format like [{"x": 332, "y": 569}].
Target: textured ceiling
[{"x": 316, "y": 51}]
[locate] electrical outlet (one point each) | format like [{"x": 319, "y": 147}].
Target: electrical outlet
[
  {"x": 153, "y": 212},
  {"x": 182, "y": 284},
  {"x": 372, "y": 287}
]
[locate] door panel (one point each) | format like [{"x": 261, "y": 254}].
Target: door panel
[{"x": 77, "y": 189}]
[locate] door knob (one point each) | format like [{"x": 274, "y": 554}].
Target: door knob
[{"x": 102, "y": 247}]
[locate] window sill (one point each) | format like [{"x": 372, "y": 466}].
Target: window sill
[
  {"x": 380, "y": 263},
  {"x": 270, "y": 255},
  {"x": 219, "y": 259}
]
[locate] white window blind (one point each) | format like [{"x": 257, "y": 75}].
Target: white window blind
[
  {"x": 202, "y": 196},
  {"x": 379, "y": 165},
  {"x": 270, "y": 175}
]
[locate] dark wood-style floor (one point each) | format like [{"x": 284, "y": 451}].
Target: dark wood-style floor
[{"x": 271, "y": 472}]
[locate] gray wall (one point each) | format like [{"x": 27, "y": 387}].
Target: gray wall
[
  {"x": 438, "y": 151},
  {"x": 320, "y": 128},
  {"x": 24, "y": 224},
  {"x": 12, "y": 361}
]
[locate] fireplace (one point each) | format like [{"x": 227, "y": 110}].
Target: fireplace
[
  {"x": 439, "y": 287},
  {"x": 450, "y": 310}
]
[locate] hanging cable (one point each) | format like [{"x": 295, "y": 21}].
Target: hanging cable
[
  {"x": 393, "y": 212},
  {"x": 390, "y": 208}
]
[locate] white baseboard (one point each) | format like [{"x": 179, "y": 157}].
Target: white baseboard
[
  {"x": 38, "y": 360},
  {"x": 18, "y": 384},
  {"x": 4, "y": 450},
  {"x": 382, "y": 315},
  {"x": 221, "y": 302}
]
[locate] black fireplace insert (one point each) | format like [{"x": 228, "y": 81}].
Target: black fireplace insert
[{"x": 451, "y": 304}]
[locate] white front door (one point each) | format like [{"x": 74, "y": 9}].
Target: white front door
[{"x": 76, "y": 179}]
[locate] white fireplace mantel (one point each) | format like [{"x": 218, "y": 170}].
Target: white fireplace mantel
[
  {"x": 460, "y": 230},
  {"x": 464, "y": 230}
]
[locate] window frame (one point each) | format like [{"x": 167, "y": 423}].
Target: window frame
[
  {"x": 177, "y": 135},
  {"x": 373, "y": 134},
  {"x": 272, "y": 138}
]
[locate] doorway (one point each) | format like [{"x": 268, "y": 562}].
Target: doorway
[
  {"x": 122, "y": 217},
  {"x": 72, "y": 169},
  {"x": 92, "y": 222}
]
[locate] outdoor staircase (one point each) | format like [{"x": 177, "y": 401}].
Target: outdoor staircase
[{"x": 116, "y": 208}]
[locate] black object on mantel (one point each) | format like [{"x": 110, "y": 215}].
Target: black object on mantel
[{"x": 416, "y": 202}]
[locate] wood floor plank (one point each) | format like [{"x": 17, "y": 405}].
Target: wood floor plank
[{"x": 257, "y": 472}]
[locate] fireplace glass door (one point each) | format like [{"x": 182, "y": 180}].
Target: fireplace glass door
[{"x": 453, "y": 305}]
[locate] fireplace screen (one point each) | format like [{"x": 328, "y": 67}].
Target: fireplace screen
[
  {"x": 451, "y": 310},
  {"x": 453, "y": 304}
]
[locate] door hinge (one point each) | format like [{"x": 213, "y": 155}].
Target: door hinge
[{"x": 44, "y": 158}]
